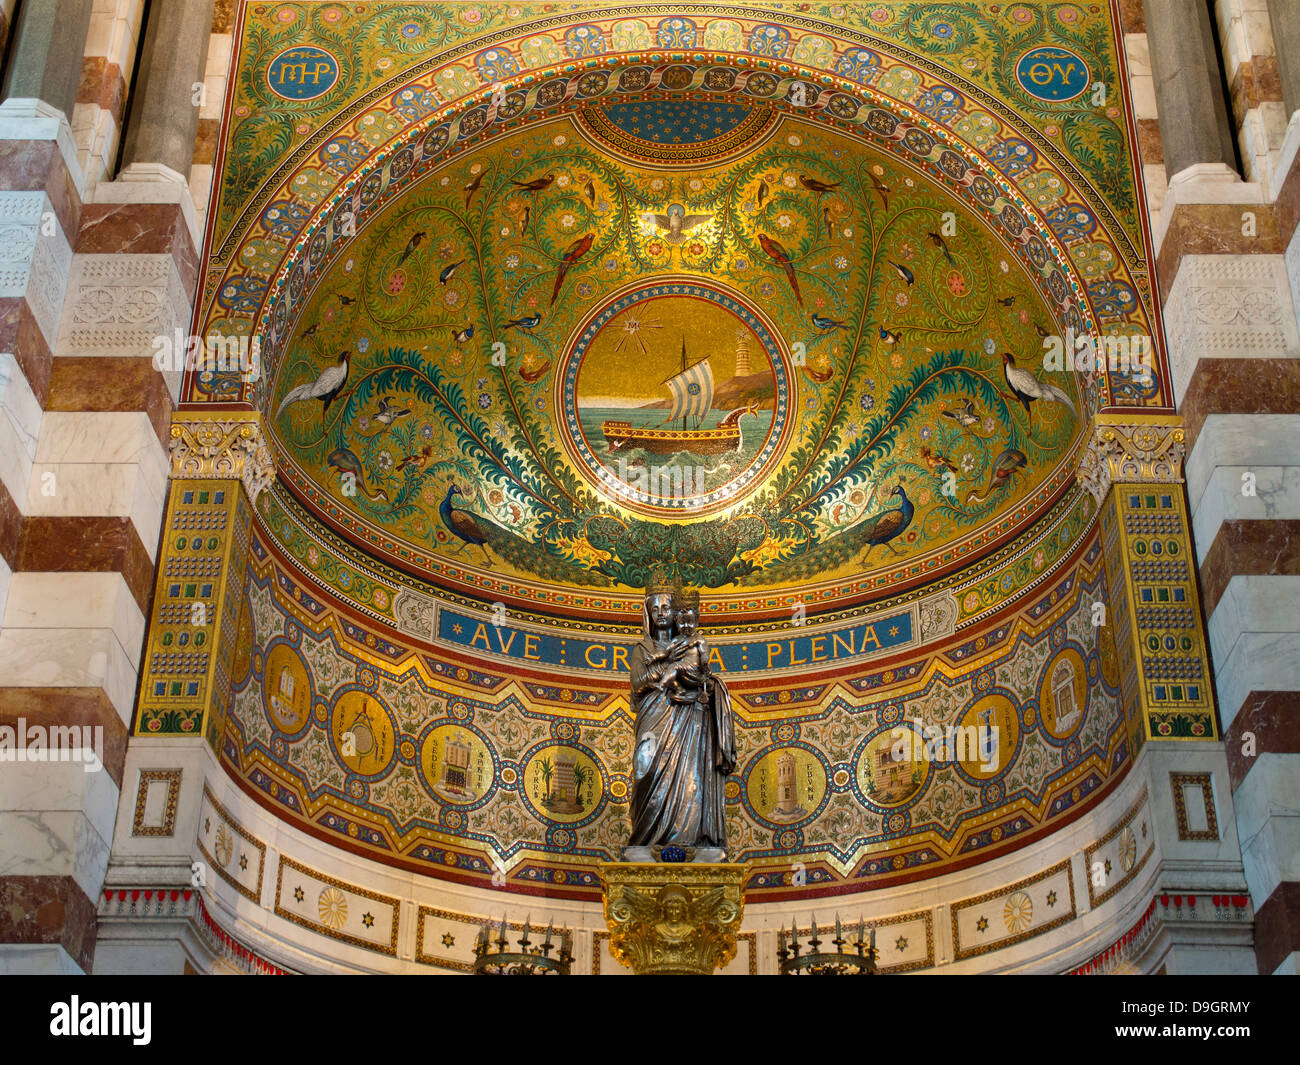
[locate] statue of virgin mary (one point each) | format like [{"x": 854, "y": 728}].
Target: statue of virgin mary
[{"x": 685, "y": 734}]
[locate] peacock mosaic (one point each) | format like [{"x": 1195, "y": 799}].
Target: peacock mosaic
[{"x": 864, "y": 251}]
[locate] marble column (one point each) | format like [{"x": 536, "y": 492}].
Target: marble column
[
  {"x": 45, "y": 53},
  {"x": 164, "y": 116},
  {"x": 1194, "y": 124},
  {"x": 1285, "y": 22}
]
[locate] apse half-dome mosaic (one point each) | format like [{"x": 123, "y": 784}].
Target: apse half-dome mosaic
[{"x": 548, "y": 301}]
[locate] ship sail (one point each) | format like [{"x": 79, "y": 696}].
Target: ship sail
[{"x": 692, "y": 392}]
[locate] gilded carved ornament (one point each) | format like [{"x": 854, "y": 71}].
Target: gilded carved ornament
[
  {"x": 670, "y": 918},
  {"x": 1132, "y": 449},
  {"x": 223, "y": 446}
]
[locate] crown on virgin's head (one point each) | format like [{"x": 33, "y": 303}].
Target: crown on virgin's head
[{"x": 662, "y": 583}]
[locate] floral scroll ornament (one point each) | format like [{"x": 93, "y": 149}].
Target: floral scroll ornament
[
  {"x": 204, "y": 447},
  {"x": 1133, "y": 452}
]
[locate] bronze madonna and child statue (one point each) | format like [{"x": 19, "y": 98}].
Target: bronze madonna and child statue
[{"x": 685, "y": 735}]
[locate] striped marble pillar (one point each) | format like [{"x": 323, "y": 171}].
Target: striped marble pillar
[{"x": 1228, "y": 266}]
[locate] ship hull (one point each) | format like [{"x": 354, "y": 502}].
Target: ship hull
[{"x": 622, "y": 436}]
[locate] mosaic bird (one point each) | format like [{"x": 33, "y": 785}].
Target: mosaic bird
[
  {"x": 781, "y": 257},
  {"x": 328, "y": 385},
  {"x": 1041, "y": 331},
  {"x": 387, "y": 413},
  {"x": 827, "y": 325},
  {"x": 882, "y": 190},
  {"x": 830, "y": 223},
  {"x": 763, "y": 192},
  {"x": 536, "y": 185},
  {"x": 819, "y": 187},
  {"x": 936, "y": 460},
  {"x": 572, "y": 254},
  {"x": 345, "y": 301},
  {"x": 678, "y": 223},
  {"x": 416, "y": 240},
  {"x": 942, "y": 245},
  {"x": 903, "y": 272},
  {"x": 527, "y": 324},
  {"x": 1008, "y": 301},
  {"x": 462, "y": 524},
  {"x": 472, "y": 187},
  {"x": 449, "y": 272},
  {"x": 588, "y": 188},
  {"x": 887, "y": 336},
  {"x": 347, "y": 463},
  {"x": 461, "y": 336},
  {"x": 310, "y": 332},
  {"x": 1007, "y": 463},
  {"x": 964, "y": 414},
  {"x": 417, "y": 459},
  {"x": 888, "y": 524},
  {"x": 1027, "y": 388}
]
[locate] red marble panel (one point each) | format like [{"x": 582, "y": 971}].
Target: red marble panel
[
  {"x": 11, "y": 524},
  {"x": 102, "y": 83},
  {"x": 81, "y": 544},
  {"x": 140, "y": 229},
  {"x": 1273, "y": 719},
  {"x": 1256, "y": 547},
  {"x": 1277, "y": 926},
  {"x": 1215, "y": 229},
  {"x": 20, "y": 334},
  {"x": 1151, "y": 147},
  {"x": 1239, "y": 386},
  {"x": 48, "y": 909},
  {"x": 26, "y": 165},
  {"x": 70, "y": 706},
  {"x": 87, "y": 383}
]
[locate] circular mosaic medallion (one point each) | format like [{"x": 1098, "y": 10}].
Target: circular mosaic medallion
[
  {"x": 1052, "y": 73},
  {"x": 302, "y": 72},
  {"x": 457, "y": 764},
  {"x": 674, "y": 399}
]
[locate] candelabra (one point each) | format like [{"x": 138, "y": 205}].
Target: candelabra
[
  {"x": 531, "y": 959},
  {"x": 811, "y": 959}
]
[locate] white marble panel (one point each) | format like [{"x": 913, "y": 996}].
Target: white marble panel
[
  {"x": 1144, "y": 96},
  {"x": 1259, "y": 661},
  {"x": 1276, "y": 496},
  {"x": 1248, "y": 441},
  {"x": 35, "y": 256},
  {"x": 1268, "y": 818},
  {"x": 69, "y": 658},
  {"x": 21, "y": 959},
  {"x": 73, "y": 600},
  {"x": 54, "y": 843},
  {"x": 1254, "y": 604},
  {"x": 1138, "y": 54},
  {"x": 65, "y": 787},
  {"x": 1228, "y": 306},
  {"x": 1292, "y": 260},
  {"x": 102, "y": 436},
  {"x": 101, "y": 490},
  {"x": 20, "y": 425},
  {"x": 119, "y": 304}
]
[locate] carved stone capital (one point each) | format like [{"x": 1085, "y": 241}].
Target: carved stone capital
[
  {"x": 673, "y": 917},
  {"x": 1132, "y": 449},
  {"x": 221, "y": 445}
]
